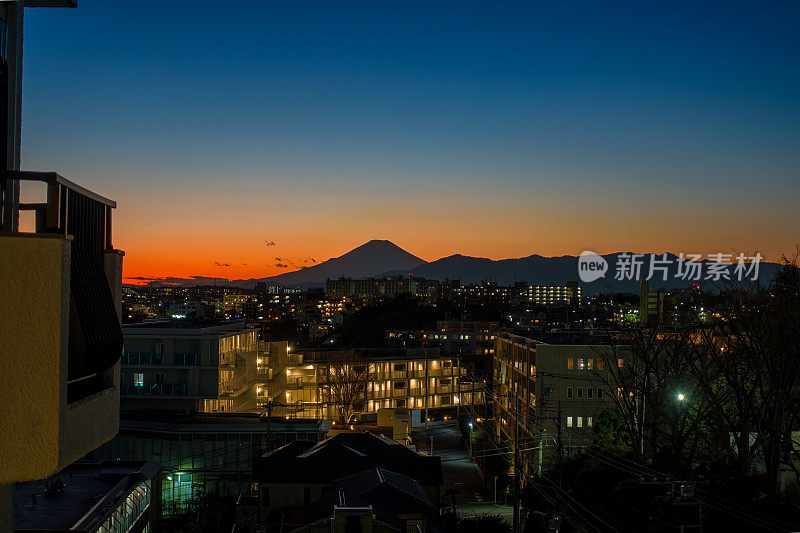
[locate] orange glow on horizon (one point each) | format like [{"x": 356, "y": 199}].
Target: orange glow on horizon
[{"x": 196, "y": 233}]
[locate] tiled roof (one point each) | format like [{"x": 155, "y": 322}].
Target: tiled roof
[
  {"x": 344, "y": 455},
  {"x": 363, "y": 483}
]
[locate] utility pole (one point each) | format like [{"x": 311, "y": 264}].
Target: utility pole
[
  {"x": 515, "y": 526},
  {"x": 560, "y": 446},
  {"x": 426, "y": 393},
  {"x": 472, "y": 398},
  {"x": 269, "y": 424},
  {"x": 541, "y": 452},
  {"x": 457, "y": 381}
]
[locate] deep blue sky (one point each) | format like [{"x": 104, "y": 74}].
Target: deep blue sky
[{"x": 442, "y": 126}]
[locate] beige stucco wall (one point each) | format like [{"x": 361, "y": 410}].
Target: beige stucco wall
[
  {"x": 34, "y": 304},
  {"x": 39, "y": 432}
]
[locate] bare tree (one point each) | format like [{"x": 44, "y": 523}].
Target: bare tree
[
  {"x": 647, "y": 372},
  {"x": 343, "y": 381},
  {"x": 765, "y": 323}
]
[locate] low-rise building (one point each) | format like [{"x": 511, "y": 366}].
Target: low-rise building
[
  {"x": 207, "y": 453},
  {"x": 103, "y": 497},
  {"x": 194, "y": 365},
  {"x": 364, "y": 466}
]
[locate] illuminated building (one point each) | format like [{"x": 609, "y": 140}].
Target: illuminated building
[
  {"x": 552, "y": 294},
  {"x": 414, "y": 379},
  {"x": 194, "y": 365},
  {"x": 234, "y": 302},
  {"x": 389, "y": 286}
]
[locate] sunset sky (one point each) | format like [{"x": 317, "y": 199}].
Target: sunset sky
[{"x": 489, "y": 129}]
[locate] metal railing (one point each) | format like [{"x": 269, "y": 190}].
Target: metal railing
[
  {"x": 154, "y": 389},
  {"x": 69, "y": 210},
  {"x": 84, "y": 216}
]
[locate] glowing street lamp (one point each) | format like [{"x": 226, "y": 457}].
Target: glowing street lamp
[
  {"x": 681, "y": 397},
  {"x": 470, "y": 439}
]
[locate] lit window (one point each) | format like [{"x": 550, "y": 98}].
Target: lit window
[
  {"x": 581, "y": 365},
  {"x": 570, "y": 363},
  {"x": 590, "y": 364},
  {"x": 138, "y": 378},
  {"x": 619, "y": 362},
  {"x": 579, "y": 422},
  {"x": 569, "y": 421},
  {"x": 599, "y": 364},
  {"x": 588, "y": 421}
]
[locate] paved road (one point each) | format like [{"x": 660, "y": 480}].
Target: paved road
[{"x": 460, "y": 473}]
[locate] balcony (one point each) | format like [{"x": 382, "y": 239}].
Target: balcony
[
  {"x": 157, "y": 389},
  {"x": 293, "y": 383},
  {"x": 60, "y": 331}
]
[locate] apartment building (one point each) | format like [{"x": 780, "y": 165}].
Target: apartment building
[
  {"x": 388, "y": 286},
  {"x": 194, "y": 365},
  {"x": 234, "y": 302},
  {"x": 568, "y": 293},
  {"x": 455, "y": 338},
  {"x": 552, "y": 390},
  {"x": 421, "y": 379}
]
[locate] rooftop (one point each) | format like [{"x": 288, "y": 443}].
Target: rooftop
[
  {"x": 343, "y": 455},
  {"x": 566, "y": 337},
  {"x": 218, "y": 423},
  {"x": 389, "y": 494},
  {"x": 77, "y": 496},
  {"x": 187, "y": 327}
]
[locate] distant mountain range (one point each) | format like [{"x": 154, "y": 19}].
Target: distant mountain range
[
  {"x": 370, "y": 259},
  {"x": 379, "y": 258},
  {"x": 540, "y": 270}
]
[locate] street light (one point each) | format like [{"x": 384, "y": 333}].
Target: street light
[
  {"x": 470, "y": 440},
  {"x": 681, "y": 397}
]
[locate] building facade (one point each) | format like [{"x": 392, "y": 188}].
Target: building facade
[
  {"x": 551, "y": 392},
  {"x": 421, "y": 379},
  {"x": 207, "y": 453},
  {"x": 191, "y": 365},
  {"x": 570, "y": 293}
]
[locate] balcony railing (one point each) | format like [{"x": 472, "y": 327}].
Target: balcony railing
[
  {"x": 95, "y": 336},
  {"x": 154, "y": 389},
  {"x": 297, "y": 383}
]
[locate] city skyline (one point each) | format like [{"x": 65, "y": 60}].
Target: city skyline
[{"x": 493, "y": 133}]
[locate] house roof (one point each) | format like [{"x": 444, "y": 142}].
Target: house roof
[
  {"x": 341, "y": 456},
  {"x": 388, "y": 493},
  {"x": 369, "y": 482}
]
